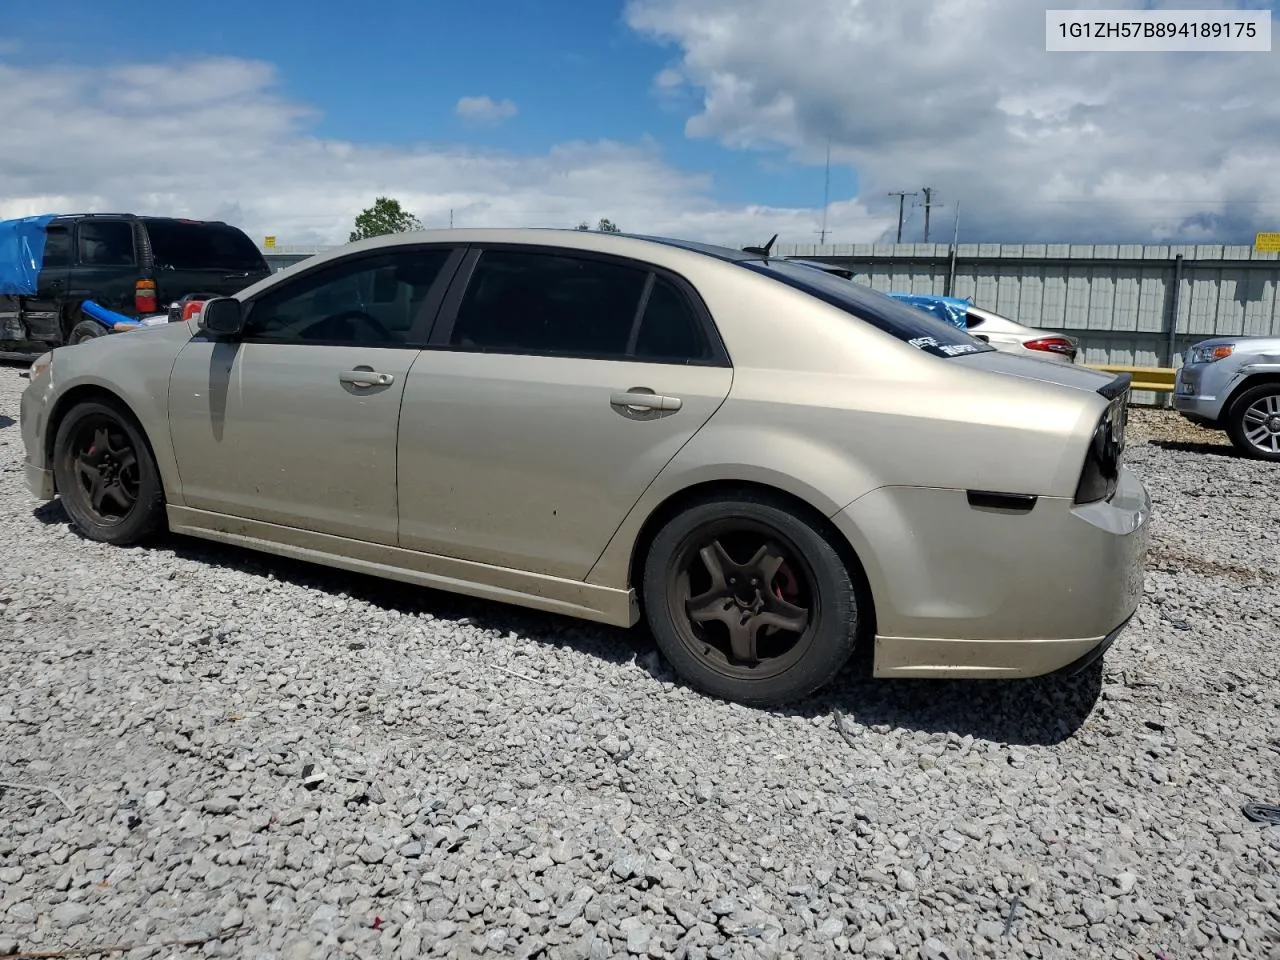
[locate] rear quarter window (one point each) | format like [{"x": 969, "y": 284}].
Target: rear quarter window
[{"x": 203, "y": 246}]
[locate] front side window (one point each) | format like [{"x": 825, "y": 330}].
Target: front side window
[
  {"x": 105, "y": 243},
  {"x": 374, "y": 300},
  {"x": 907, "y": 323},
  {"x": 549, "y": 303}
]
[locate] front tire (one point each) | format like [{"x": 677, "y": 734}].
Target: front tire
[
  {"x": 748, "y": 601},
  {"x": 106, "y": 475},
  {"x": 85, "y": 330},
  {"x": 1254, "y": 422}
]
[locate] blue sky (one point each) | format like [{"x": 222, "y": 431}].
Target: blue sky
[
  {"x": 394, "y": 74},
  {"x": 288, "y": 117}
]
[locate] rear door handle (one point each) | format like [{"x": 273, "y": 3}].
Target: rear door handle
[
  {"x": 366, "y": 378},
  {"x": 638, "y": 400}
]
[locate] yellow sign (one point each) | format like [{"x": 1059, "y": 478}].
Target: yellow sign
[
  {"x": 268, "y": 242},
  {"x": 1267, "y": 243}
]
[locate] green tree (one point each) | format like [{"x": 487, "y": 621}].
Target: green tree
[
  {"x": 384, "y": 217},
  {"x": 608, "y": 226},
  {"x": 583, "y": 226}
]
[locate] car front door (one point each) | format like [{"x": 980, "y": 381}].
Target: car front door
[
  {"x": 294, "y": 423},
  {"x": 42, "y": 313},
  {"x": 106, "y": 268},
  {"x": 557, "y": 387}
]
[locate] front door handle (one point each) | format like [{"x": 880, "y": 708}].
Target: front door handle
[
  {"x": 366, "y": 377},
  {"x": 641, "y": 399}
]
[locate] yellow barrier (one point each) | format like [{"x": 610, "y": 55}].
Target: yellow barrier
[{"x": 1159, "y": 379}]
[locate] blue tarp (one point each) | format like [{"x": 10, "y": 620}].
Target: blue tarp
[
  {"x": 21, "y": 254},
  {"x": 951, "y": 310}
]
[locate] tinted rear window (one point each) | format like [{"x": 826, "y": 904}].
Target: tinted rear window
[
  {"x": 198, "y": 246},
  {"x": 900, "y": 320}
]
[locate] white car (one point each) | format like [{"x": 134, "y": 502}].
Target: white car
[{"x": 1012, "y": 337}]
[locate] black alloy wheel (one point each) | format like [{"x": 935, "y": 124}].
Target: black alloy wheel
[
  {"x": 748, "y": 601},
  {"x": 105, "y": 474}
]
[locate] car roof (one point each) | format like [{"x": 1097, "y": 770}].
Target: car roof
[
  {"x": 662, "y": 251},
  {"x": 144, "y": 218}
]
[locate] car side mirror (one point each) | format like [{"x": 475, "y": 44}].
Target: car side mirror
[{"x": 222, "y": 316}]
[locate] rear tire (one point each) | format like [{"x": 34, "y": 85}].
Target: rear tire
[
  {"x": 1253, "y": 423},
  {"x": 85, "y": 330},
  {"x": 748, "y": 602},
  {"x": 106, "y": 476}
]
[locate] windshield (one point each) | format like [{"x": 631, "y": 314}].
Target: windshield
[
  {"x": 907, "y": 323},
  {"x": 203, "y": 246}
]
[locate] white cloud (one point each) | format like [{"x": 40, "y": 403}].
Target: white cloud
[
  {"x": 961, "y": 95},
  {"x": 212, "y": 138},
  {"x": 486, "y": 109},
  {"x": 668, "y": 78}
]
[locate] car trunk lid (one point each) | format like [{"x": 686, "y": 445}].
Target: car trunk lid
[{"x": 1046, "y": 371}]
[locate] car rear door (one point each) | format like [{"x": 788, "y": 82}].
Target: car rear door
[
  {"x": 294, "y": 423},
  {"x": 199, "y": 257},
  {"x": 557, "y": 386},
  {"x": 106, "y": 266}
]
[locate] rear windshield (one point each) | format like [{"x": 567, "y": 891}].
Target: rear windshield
[
  {"x": 200, "y": 246},
  {"x": 910, "y": 324}
]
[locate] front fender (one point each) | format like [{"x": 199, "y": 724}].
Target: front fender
[{"x": 135, "y": 371}]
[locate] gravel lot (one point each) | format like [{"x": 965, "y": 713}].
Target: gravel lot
[{"x": 301, "y": 763}]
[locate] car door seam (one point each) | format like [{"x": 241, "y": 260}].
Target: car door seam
[{"x": 404, "y": 389}]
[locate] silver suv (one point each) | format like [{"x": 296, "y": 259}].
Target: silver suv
[{"x": 1233, "y": 384}]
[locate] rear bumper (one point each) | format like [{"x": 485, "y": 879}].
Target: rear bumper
[
  {"x": 1090, "y": 657},
  {"x": 905, "y": 657},
  {"x": 964, "y": 591}
]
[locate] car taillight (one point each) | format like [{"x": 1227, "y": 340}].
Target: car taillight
[
  {"x": 1101, "y": 472},
  {"x": 191, "y": 309},
  {"x": 144, "y": 296},
  {"x": 1052, "y": 345}
]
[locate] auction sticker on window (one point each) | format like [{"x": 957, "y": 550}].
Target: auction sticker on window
[{"x": 1158, "y": 31}]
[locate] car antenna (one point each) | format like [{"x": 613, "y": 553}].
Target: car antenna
[{"x": 762, "y": 251}]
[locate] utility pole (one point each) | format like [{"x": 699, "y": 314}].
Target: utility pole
[
  {"x": 928, "y": 202},
  {"x": 955, "y": 243},
  {"x": 902, "y": 199},
  {"x": 826, "y": 196}
]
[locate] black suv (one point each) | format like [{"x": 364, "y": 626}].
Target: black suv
[{"x": 131, "y": 265}]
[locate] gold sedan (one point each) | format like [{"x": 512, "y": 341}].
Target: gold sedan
[{"x": 767, "y": 464}]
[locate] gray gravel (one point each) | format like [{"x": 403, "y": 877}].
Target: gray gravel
[{"x": 300, "y": 763}]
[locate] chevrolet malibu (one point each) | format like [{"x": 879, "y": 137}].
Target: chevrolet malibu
[{"x": 768, "y": 465}]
